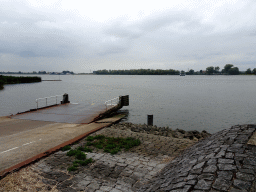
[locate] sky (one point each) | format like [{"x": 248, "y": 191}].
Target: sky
[{"x": 84, "y": 36}]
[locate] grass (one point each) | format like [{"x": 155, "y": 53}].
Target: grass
[
  {"x": 65, "y": 148},
  {"x": 80, "y": 158},
  {"x": 110, "y": 145}
]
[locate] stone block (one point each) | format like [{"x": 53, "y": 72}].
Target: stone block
[
  {"x": 210, "y": 169},
  {"x": 199, "y": 165},
  {"x": 203, "y": 185},
  {"x": 226, "y": 167},
  {"x": 229, "y": 155},
  {"x": 206, "y": 176},
  {"x": 225, "y": 161},
  {"x": 243, "y": 185},
  {"x": 222, "y": 184},
  {"x": 228, "y": 175},
  {"x": 244, "y": 176}
]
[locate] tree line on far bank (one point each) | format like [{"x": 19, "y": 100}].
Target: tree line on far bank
[
  {"x": 16, "y": 80},
  {"x": 229, "y": 69},
  {"x": 138, "y": 72}
]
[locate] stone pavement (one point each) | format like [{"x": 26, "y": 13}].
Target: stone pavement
[
  {"x": 221, "y": 162},
  {"x": 224, "y": 161},
  {"x": 122, "y": 172}
]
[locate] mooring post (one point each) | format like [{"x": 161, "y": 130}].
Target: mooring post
[
  {"x": 65, "y": 99},
  {"x": 150, "y": 120},
  {"x": 124, "y": 100}
]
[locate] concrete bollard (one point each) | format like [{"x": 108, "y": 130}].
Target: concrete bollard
[
  {"x": 65, "y": 99},
  {"x": 124, "y": 100},
  {"x": 150, "y": 120}
]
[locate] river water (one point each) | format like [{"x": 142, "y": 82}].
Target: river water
[{"x": 210, "y": 103}]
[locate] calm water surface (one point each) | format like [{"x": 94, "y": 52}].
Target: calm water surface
[{"x": 209, "y": 103}]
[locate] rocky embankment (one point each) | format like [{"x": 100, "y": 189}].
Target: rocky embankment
[
  {"x": 225, "y": 161},
  {"x": 163, "y": 131},
  {"x": 124, "y": 171}
]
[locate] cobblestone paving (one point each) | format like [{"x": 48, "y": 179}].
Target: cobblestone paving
[
  {"x": 123, "y": 172},
  {"x": 221, "y": 162}
]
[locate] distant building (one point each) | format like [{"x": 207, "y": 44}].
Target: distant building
[
  {"x": 41, "y": 72},
  {"x": 67, "y": 72}
]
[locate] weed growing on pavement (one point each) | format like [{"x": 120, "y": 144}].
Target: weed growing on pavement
[
  {"x": 80, "y": 156},
  {"x": 110, "y": 145},
  {"x": 65, "y": 148}
]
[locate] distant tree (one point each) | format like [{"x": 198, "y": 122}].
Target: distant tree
[
  {"x": 254, "y": 71},
  {"x": 216, "y": 69},
  {"x": 191, "y": 71},
  {"x": 227, "y": 67},
  {"x": 210, "y": 70},
  {"x": 248, "y": 71},
  {"x": 233, "y": 71},
  {"x": 201, "y": 71}
]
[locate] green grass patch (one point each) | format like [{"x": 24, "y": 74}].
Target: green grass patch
[
  {"x": 112, "y": 144},
  {"x": 72, "y": 152},
  {"x": 89, "y": 138},
  {"x": 65, "y": 148},
  {"x": 80, "y": 158},
  {"x": 72, "y": 168},
  {"x": 80, "y": 155},
  {"x": 84, "y": 162},
  {"x": 85, "y": 149},
  {"x": 99, "y": 137},
  {"x": 89, "y": 143}
]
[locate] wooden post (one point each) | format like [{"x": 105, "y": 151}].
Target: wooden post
[{"x": 150, "y": 120}]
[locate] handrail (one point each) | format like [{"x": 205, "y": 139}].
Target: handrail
[
  {"x": 47, "y": 98},
  {"x": 112, "y": 102}
]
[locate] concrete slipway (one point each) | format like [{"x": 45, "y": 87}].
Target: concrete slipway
[{"x": 26, "y": 137}]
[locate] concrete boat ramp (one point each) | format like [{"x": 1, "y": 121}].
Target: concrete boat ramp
[{"x": 29, "y": 136}]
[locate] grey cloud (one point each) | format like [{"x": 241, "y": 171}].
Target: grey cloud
[
  {"x": 126, "y": 33},
  {"x": 27, "y": 54}
]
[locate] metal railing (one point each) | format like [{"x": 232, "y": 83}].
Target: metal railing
[
  {"x": 46, "y": 100},
  {"x": 112, "y": 102}
]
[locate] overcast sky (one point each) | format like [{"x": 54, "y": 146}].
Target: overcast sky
[{"x": 81, "y": 36}]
